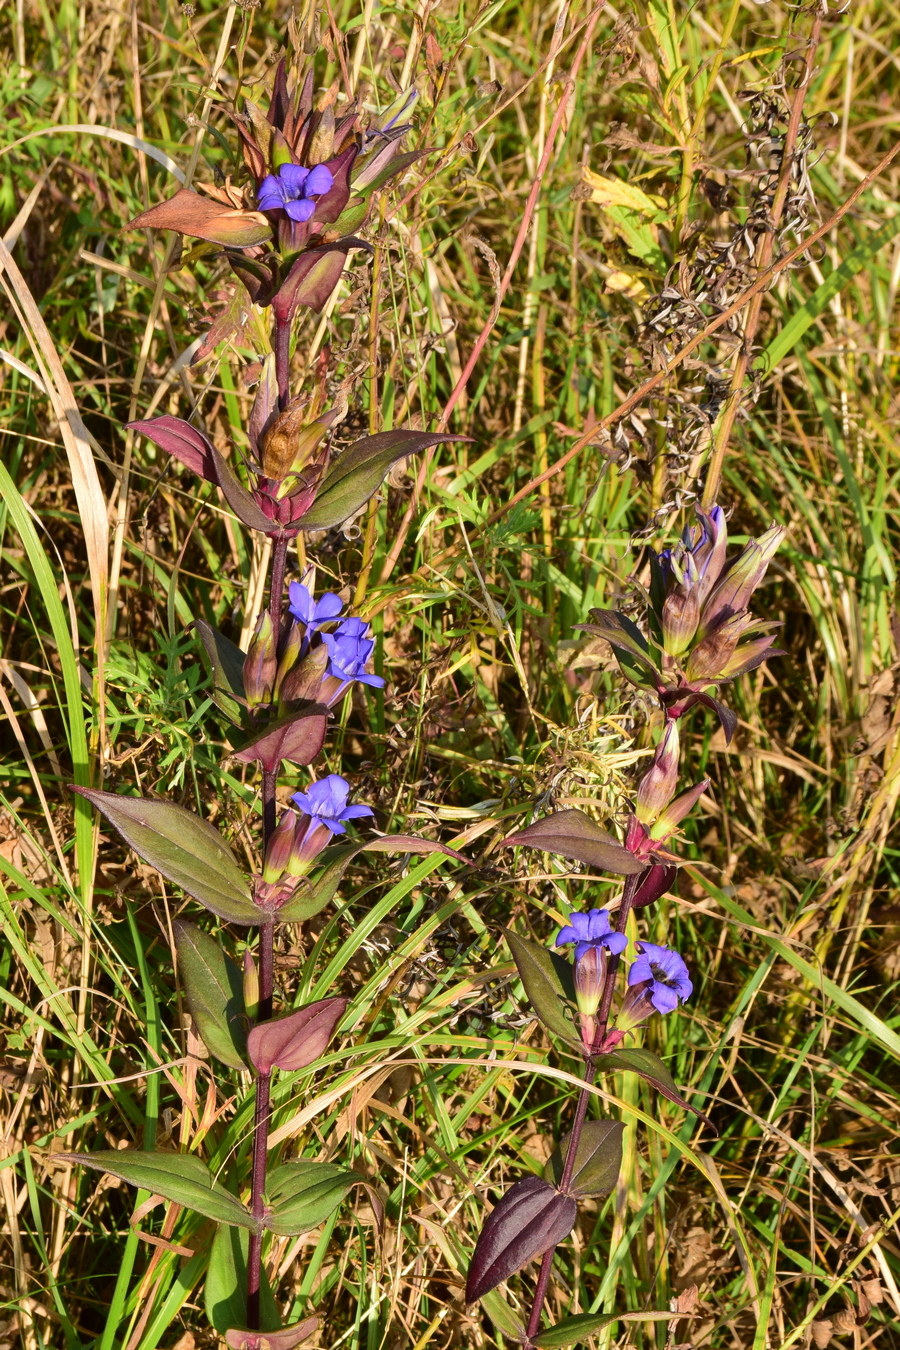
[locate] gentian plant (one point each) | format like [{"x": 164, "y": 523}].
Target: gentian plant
[
  {"x": 311, "y": 176},
  {"x": 697, "y": 633}
]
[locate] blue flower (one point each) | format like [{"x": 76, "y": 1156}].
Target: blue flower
[
  {"x": 325, "y": 803},
  {"x": 313, "y": 613},
  {"x": 591, "y": 930},
  {"x": 349, "y": 648},
  {"x": 292, "y": 190},
  {"x": 665, "y": 975}
]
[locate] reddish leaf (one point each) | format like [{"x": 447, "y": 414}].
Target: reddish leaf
[
  {"x": 313, "y": 277},
  {"x": 531, "y": 1218},
  {"x": 655, "y": 882},
  {"x": 202, "y": 218},
  {"x": 572, "y": 834},
  {"x": 293, "y": 1041},
  {"x": 298, "y": 738},
  {"x": 180, "y": 439}
]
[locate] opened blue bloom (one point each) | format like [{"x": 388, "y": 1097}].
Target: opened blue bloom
[
  {"x": 349, "y": 648},
  {"x": 325, "y": 803},
  {"x": 313, "y": 613},
  {"x": 591, "y": 930},
  {"x": 292, "y": 190},
  {"x": 664, "y": 974}
]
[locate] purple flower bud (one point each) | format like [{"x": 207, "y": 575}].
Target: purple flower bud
[
  {"x": 280, "y": 847},
  {"x": 676, "y": 811},
  {"x": 712, "y": 653},
  {"x": 734, "y": 591},
  {"x": 261, "y": 663},
  {"x": 657, "y": 787}
]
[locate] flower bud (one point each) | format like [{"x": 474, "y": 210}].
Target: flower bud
[
  {"x": 734, "y": 592},
  {"x": 680, "y": 616},
  {"x": 261, "y": 663},
  {"x": 304, "y": 681},
  {"x": 676, "y": 811},
  {"x": 280, "y": 848},
  {"x": 251, "y": 986},
  {"x": 657, "y": 787},
  {"x": 292, "y": 648}
]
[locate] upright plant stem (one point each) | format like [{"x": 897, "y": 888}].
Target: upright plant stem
[{"x": 581, "y": 1106}]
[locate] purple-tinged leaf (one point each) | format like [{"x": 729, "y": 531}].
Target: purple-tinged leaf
[
  {"x": 658, "y": 879},
  {"x": 180, "y": 1177},
  {"x": 548, "y": 984},
  {"x": 313, "y": 277},
  {"x": 258, "y": 275},
  {"x": 531, "y": 1218},
  {"x": 297, "y": 1039},
  {"x": 179, "y": 439},
  {"x": 188, "y": 851},
  {"x": 215, "y": 993},
  {"x": 329, "y": 207},
  {"x": 727, "y": 718},
  {"x": 571, "y": 1330},
  {"x": 358, "y": 473},
  {"x": 301, "y": 1194},
  {"x": 226, "y": 661},
  {"x": 286, "y": 1338},
  {"x": 314, "y": 893},
  {"x": 296, "y": 737},
  {"x": 572, "y": 834},
  {"x": 203, "y": 218},
  {"x": 650, "y": 1067},
  {"x": 505, "y": 1319},
  {"x": 242, "y": 502},
  {"x": 598, "y": 1160}
]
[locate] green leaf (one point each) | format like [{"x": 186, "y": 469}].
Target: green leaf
[
  {"x": 598, "y": 1159},
  {"x": 651, "y": 1068},
  {"x": 505, "y": 1319},
  {"x": 571, "y": 1330},
  {"x": 301, "y": 1194},
  {"x": 548, "y": 984},
  {"x": 188, "y": 851},
  {"x": 358, "y": 473},
  {"x": 226, "y": 661},
  {"x": 225, "y": 1290},
  {"x": 215, "y": 993},
  {"x": 175, "y": 1176}
]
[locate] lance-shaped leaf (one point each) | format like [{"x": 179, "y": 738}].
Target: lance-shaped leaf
[
  {"x": 174, "y": 1176},
  {"x": 358, "y": 473},
  {"x": 572, "y": 834},
  {"x": 301, "y": 1194},
  {"x": 313, "y": 277},
  {"x": 188, "y": 851},
  {"x": 633, "y": 652},
  {"x": 215, "y": 993},
  {"x": 297, "y": 737},
  {"x": 242, "y": 502},
  {"x": 226, "y": 661},
  {"x": 598, "y": 1159},
  {"x": 651, "y": 1068},
  {"x": 203, "y": 218},
  {"x": 531, "y": 1218},
  {"x": 506, "y": 1320},
  {"x": 314, "y": 893},
  {"x": 225, "y": 1286},
  {"x": 286, "y": 1338},
  {"x": 297, "y": 1039},
  {"x": 573, "y": 1330},
  {"x": 179, "y": 439},
  {"x": 548, "y": 983}
]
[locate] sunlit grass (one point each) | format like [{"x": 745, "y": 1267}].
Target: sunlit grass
[{"x": 444, "y": 1091}]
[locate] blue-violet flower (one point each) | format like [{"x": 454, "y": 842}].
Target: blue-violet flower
[
  {"x": 313, "y": 613},
  {"x": 591, "y": 930},
  {"x": 349, "y": 648},
  {"x": 663, "y": 974},
  {"x": 292, "y": 190}
]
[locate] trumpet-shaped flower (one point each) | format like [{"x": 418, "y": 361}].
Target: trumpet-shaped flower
[{"x": 294, "y": 190}]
